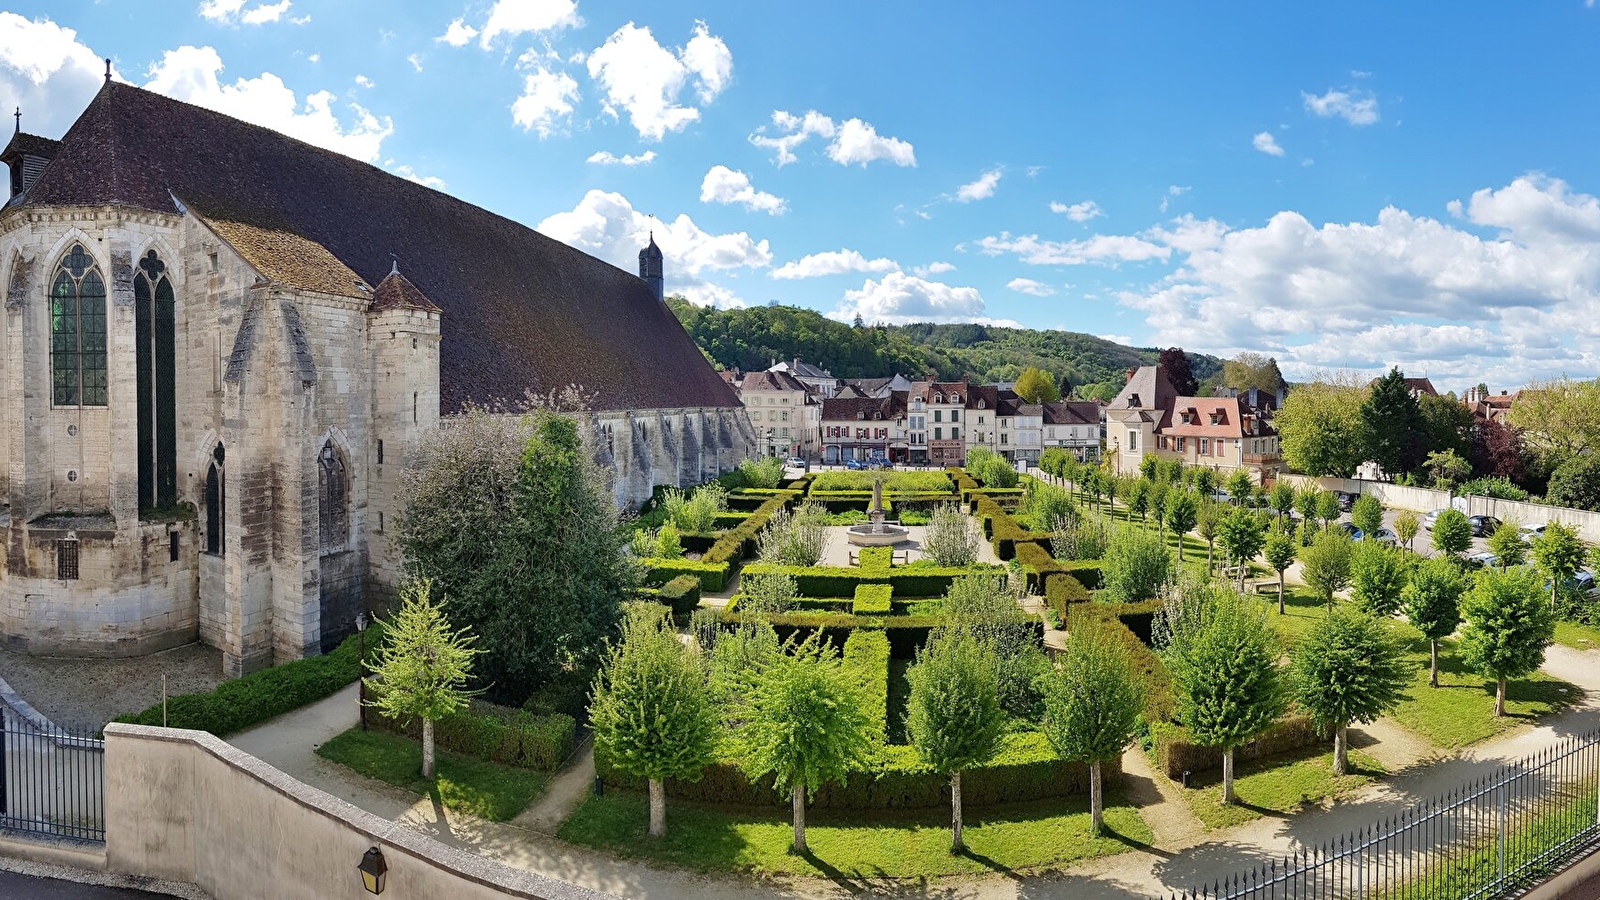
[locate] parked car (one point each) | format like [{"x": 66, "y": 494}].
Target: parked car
[
  {"x": 1531, "y": 533},
  {"x": 1350, "y": 531},
  {"x": 879, "y": 462},
  {"x": 795, "y": 462},
  {"x": 1582, "y": 583},
  {"x": 1483, "y": 561},
  {"x": 1482, "y": 526},
  {"x": 1386, "y": 536},
  {"x": 855, "y": 465},
  {"x": 1346, "y": 500},
  {"x": 1430, "y": 518}
]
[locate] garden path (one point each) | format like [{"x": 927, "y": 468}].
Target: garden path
[{"x": 565, "y": 791}]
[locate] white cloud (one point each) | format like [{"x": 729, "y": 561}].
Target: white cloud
[
  {"x": 1267, "y": 144},
  {"x": 546, "y": 100},
  {"x": 1355, "y": 107},
  {"x": 411, "y": 174},
  {"x": 314, "y": 58},
  {"x": 607, "y": 158},
  {"x": 728, "y": 186},
  {"x": 1101, "y": 248},
  {"x": 232, "y": 12},
  {"x": 933, "y": 268},
  {"x": 795, "y": 130},
  {"x": 457, "y": 34},
  {"x": 982, "y": 189},
  {"x": 191, "y": 74},
  {"x": 47, "y": 72},
  {"x": 1173, "y": 191},
  {"x": 513, "y": 17},
  {"x": 833, "y": 262},
  {"x": 899, "y": 298},
  {"x": 1116, "y": 339},
  {"x": 1077, "y": 212},
  {"x": 606, "y": 225},
  {"x": 644, "y": 79},
  {"x": 1030, "y": 287},
  {"x": 859, "y": 142},
  {"x": 363, "y": 81},
  {"x": 1536, "y": 208},
  {"x": 416, "y": 61}
]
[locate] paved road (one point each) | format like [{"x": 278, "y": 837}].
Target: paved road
[{"x": 29, "y": 887}]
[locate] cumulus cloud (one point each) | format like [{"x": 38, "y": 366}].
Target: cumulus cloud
[
  {"x": 1173, "y": 191},
  {"x": 1101, "y": 248},
  {"x": 1267, "y": 144},
  {"x": 852, "y": 142},
  {"x": 982, "y": 189},
  {"x": 47, "y": 72},
  {"x": 898, "y": 298},
  {"x": 859, "y": 142},
  {"x": 546, "y": 102},
  {"x": 457, "y": 34},
  {"x": 1030, "y": 287},
  {"x": 411, "y": 174},
  {"x": 728, "y": 186},
  {"x": 237, "y": 12},
  {"x": 834, "y": 262},
  {"x": 606, "y": 225},
  {"x": 1355, "y": 107},
  {"x": 191, "y": 74},
  {"x": 607, "y": 158},
  {"x": 646, "y": 80},
  {"x": 933, "y": 268},
  {"x": 1077, "y": 212},
  {"x": 509, "y": 18}
]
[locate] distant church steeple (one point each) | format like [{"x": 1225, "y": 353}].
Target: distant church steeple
[{"x": 650, "y": 268}]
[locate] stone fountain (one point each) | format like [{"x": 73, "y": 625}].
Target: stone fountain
[{"x": 877, "y": 532}]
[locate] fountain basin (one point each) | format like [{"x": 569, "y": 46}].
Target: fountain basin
[{"x": 876, "y": 535}]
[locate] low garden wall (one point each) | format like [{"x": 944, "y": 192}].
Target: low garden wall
[{"x": 1395, "y": 496}]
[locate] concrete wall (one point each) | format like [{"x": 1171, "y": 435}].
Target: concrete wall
[
  {"x": 185, "y": 806},
  {"x": 1396, "y": 496}
]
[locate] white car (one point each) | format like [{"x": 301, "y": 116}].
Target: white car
[
  {"x": 1483, "y": 561},
  {"x": 1531, "y": 533},
  {"x": 1430, "y": 518}
]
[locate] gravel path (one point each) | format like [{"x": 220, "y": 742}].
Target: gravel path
[{"x": 84, "y": 694}]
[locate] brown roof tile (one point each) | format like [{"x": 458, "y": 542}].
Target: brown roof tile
[{"x": 396, "y": 291}]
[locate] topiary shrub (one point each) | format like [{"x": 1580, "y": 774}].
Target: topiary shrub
[
  {"x": 873, "y": 600},
  {"x": 682, "y": 594}
]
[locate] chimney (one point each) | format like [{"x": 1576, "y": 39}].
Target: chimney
[
  {"x": 26, "y": 156},
  {"x": 651, "y": 269}
]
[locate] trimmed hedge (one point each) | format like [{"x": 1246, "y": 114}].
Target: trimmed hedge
[
  {"x": 875, "y": 559},
  {"x": 866, "y": 656},
  {"x": 906, "y": 633},
  {"x": 239, "y": 703},
  {"x": 1175, "y": 754},
  {"x": 737, "y": 543},
  {"x": 1087, "y": 571},
  {"x": 1125, "y": 622},
  {"x": 873, "y": 600},
  {"x": 908, "y": 581},
  {"x": 713, "y": 576},
  {"x": 1038, "y": 566},
  {"x": 1025, "y": 769},
  {"x": 1001, "y": 530},
  {"x": 1061, "y": 591},
  {"x": 681, "y": 593},
  {"x": 513, "y": 737}
]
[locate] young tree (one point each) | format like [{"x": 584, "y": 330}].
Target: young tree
[
  {"x": 652, "y": 714},
  {"x": 1208, "y": 524},
  {"x": 1280, "y": 554},
  {"x": 1558, "y": 553},
  {"x": 1433, "y": 605},
  {"x": 1225, "y": 676},
  {"x": 668, "y": 543},
  {"x": 1136, "y": 566},
  {"x": 1446, "y": 468},
  {"x": 1035, "y": 385},
  {"x": 1392, "y": 425},
  {"x": 1093, "y": 701},
  {"x": 1506, "y": 543},
  {"x": 1405, "y": 528},
  {"x": 423, "y": 666},
  {"x": 1452, "y": 534},
  {"x": 1367, "y": 514},
  {"x": 1348, "y": 669},
  {"x": 1239, "y": 487},
  {"x": 1377, "y": 576},
  {"x": 806, "y": 725},
  {"x": 1182, "y": 514},
  {"x": 1242, "y": 534},
  {"x": 1281, "y": 498},
  {"x": 1327, "y": 508},
  {"x": 1205, "y": 482},
  {"x": 1160, "y": 490},
  {"x": 954, "y": 719},
  {"x": 1325, "y": 564},
  {"x": 951, "y": 538},
  {"x": 1508, "y": 627},
  {"x": 1306, "y": 503},
  {"x": 1138, "y": 497}
]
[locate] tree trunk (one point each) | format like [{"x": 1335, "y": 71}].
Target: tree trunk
[
  {"x": 1280, "y": 593},
  {"x": 956, "y": 846},
  {"x": 1341, "y": 751},
  {"x": 1499, "y": 697},
  {"x": 1096, "y": 800},
  {"x": 799, "y": 801},
  {"x": 1433, "y": 662},
  {"x": 427, "y": 748},
  {"x": 1227, "y": 776},
  {"x": 1180, "y": 545},
  {"x": 658, "y": 808},
  {"x": 1209, "y": 567}
]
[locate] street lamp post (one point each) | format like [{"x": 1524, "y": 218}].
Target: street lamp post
[{"x": 361, "y": 666}]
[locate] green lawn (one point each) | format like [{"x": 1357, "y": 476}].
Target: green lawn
[
  {"x": 1578, "y": 637},
  {"x": 1460, "y": 711},
  {"x": 1277, "y": 786},
  {"x": 853, "y": 843},
  {"x": 483, "y": 789}
]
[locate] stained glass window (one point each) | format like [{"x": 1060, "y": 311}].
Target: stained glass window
[
  {"x": 332, "y": 492},
  {"x": 155, "y": 358},
  {"x": 78, "y": 331}
]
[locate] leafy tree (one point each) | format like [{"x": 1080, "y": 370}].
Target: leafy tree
[
  {"x": 1392, "y": 425},
  {"x": 1239, "y": 486},
  {"x": 1035, "y": 385},
  {"x": 1136, "y": 566},
  {"x": 652, "y": 713},
  {"x": 1160, "y": 491},
  {"x": 807, "y": 725},
  {"x": 1327, "y": 507},
  {"x": 1205, "y": 482},
  {"x": 954, "y": 719},
  {"x": 1446, "y": 468},
  {"x": 1348, "y": 669},
  {"x": 1093, "y": 701},
  {"x": 990, "y": 468},
  {"x": 1558, "y": 553},
  {"x": 1242, "y": 535},
  {"x": 986, "y": 608},
  {"x": 1508, "y": 627},
  {"x": 1405, "y": 527},
  {"x": 1433, "y": 605},
  {"x": 423, "y": 666},
  {"x": 1560, "y": 419},
  {"x": 1447, "y": 424},
  {"x": 1367, "y": 514},
  {"x": 1225, "y": 676},
  {"x": 1506, "y": 543},
  {"x": 950, "y": 538},
  {"x": 1321, "y": 429},
  {"x": 1208, "y": 524},
  {"x": 1138, "y": 497},
  {"x": 1175, "y": 364},
  {"x": 1576, "y": 483},
  {"x": 1182, "y": 514},
  {"x": 1281, "y": 498},
  {"x": 668, "y": 544},
  {"x": 1497, "y": 449},
  {"x": 1252, "y": 370},
  {"x": 1306, "y": 503},
  {"x": 1377, "y": 577},
  {"x": 1280, "y": 553},
  {"x": 1325, "y": 564},
  {"x": 1452, "y": 533},
  {"x": 765, "y": 473},
  {"x": 1148, "y": 464}
]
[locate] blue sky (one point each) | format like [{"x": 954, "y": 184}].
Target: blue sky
[{"x": 1343, "y": 186}]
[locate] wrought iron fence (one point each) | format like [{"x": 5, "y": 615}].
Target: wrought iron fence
[
  {"x": 1485, "y": 839},
  {"x": 51, "y": 782}
]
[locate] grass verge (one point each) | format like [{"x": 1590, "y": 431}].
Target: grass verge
[
  {"x": 1277, "y": 786},
  {"x": 483, "y": 789},
  {"x": 888, "y": 844},
  {"x": 1578, "y": 637}
]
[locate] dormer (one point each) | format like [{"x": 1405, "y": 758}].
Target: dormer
[
  {"x": 980, "y": 403},
  {"x": 861, "y": 414},
  {"x": 1133, "y": 401},
  {"x": 938, "y": 398},
  {"x": 26, "y": 156},
  {"x": 1187, "y": 416},
  {"x": 1217, "y": 417}
]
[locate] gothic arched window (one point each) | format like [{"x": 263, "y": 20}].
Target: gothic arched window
[
  {"x": 216, "y": 505},
  {"x": 78, "y": 331},
  {"x": 156, "y": 357},
  {"x": 332, "y": 498}
]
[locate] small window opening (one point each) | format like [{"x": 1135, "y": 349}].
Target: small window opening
[
  {"x": 172, "y": 546},
  {"x": 380, "y": 451},
  {"x": 67, "y": 560},
  {"x": 414, "y": 408}
]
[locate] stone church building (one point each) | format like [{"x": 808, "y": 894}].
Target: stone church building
[{"x": 220, "y": 346}]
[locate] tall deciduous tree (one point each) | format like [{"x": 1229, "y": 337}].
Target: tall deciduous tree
[
  {"x": 1035, "y": 385},
  {"x": 1392, "y": 425},
  {"x": 1446, "y": 469},
  {"x": 1325, "y": 565},
  {"x": 1559, "y": 419},
  {"x": 954, "y": 718},
  {"x": 1433, "y": 605},
  {"x": 1225, "y": 676},
  {"x": 1452, "y": 533},
  {"x": 1559, "y": 553},
  {"x": 1280, "y": 553},
  {"x": 652, "y": 713},
  {"x": 1176, "y": 366},
  {"x": 1508, "y": 627},
  {"x": 1348, "y": 669},
  {"x": 1377, "y": 576},
  {"x": 1320, "y": 428},
  {"x": 423, "y": 666},
  {"x": 1447, "y": 423},
  {"x": 1252, "y": 370},
  {"x": 1092, "y": 706},
  {"x": 1576, "y": 482}
]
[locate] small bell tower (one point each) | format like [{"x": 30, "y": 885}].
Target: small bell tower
[{"x": 651, "y": 269}]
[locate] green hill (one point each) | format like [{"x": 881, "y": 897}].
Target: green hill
[{"x": 752, "y": 339}]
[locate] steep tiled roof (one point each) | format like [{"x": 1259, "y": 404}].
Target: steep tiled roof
[
  {"x": 521, "y": 311},
  {"x": 287, "y": 257},
  {"x": 1072, "y": 412},
  {"x": 928, "y": 389},
  {"x": 835, "y": 409},
  {"x": 31, "y": 144},
  {"x": 771, "y": 381},
  {"x": 396, "y": 291},
  {"x": 1148, "y": 388}
]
